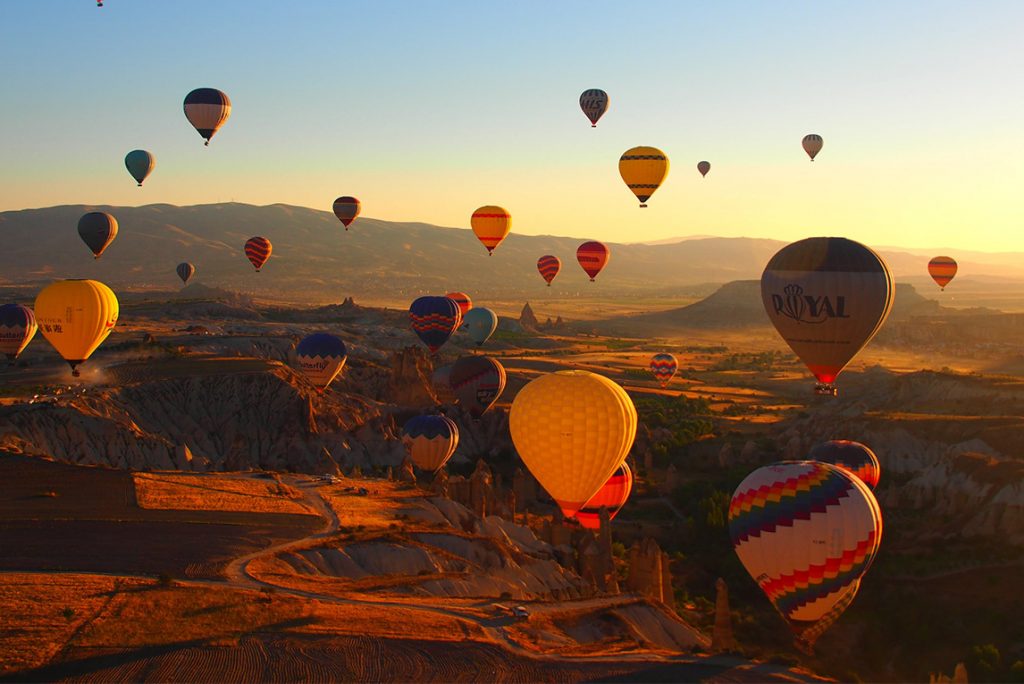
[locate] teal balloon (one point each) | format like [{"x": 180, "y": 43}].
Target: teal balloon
[
  {"x": 480, "y": 324},
  {"x": 140, "y": 164}
]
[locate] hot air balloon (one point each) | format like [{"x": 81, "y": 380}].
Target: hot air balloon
[
  {"x": 594, "y": 103},
  {"x": 806, "y": 532},
  {"x": 812, "y": 145},
  {"x": 572, "y": 429},
  {"x": 827, "y": 297},
  {"x": 440, "y": 380},
  {"x": 850, "y": 456},
  {"x": 321, "y": 357},
  {"x": 481, "y": 323},
  {"x": 703, "y": 167},
  {"x": 97, "y": 229},
  {"x": 207, "y": 109},
  {"x": 491, "y": 225},
  {"x": 477, "y": 382},
  {"x": 549, "y": 266},
  {"x": 434, "y": 319},
  {"x": 75, "y": 316},
  {"x": 942, "y": 269},
  {"x": 140, "y": 164},
  {"x": 257, "y": 250},
  {"x": 664, "y": 367},
  {"x": 185, "y": 271},
  {"x": 612, "y": 495},
  {"x": 643, "y": 169},
  {"x": 463, "y": 300},
  {"x": 17, "y": 328},
  {"x": 593, "y": 257},
  {"x": 430, "y": 441},
  {"x": 347, "y": 209}
]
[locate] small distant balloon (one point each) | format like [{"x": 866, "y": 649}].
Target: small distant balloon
[
  {"x": 463, "y": 300},
  {"x": 812, "y": 145},
  {"x": 97, "y": 230},
  {"x": 612, "y": 496},
  {"x": 347, "y": 209},
  {"x": 942, "y": 269},
  {"x": 207, "y": 109},
  {"x": 186, "y": 271},
  {"x": 434, "y": 319},
  {"x": 321, "y": 357},
  {"x": 703, "y": 167},
  {"x": 477, "y": 382},
  {"x": 594, "y": 103},
  {"x": 549, "y": 266},
  {"x": 593, "y": 257},
  {"x": 140, "y": 164},
  {"x": 852, "y": 457},
  {"x": 430, "y": 441},
  {"x": 481, "y": 323},
  {"x": 257, "y": 250},
  {"x": 643, "y": 169},
  {"x": 664, "y": 367},
  {"x": 491, "y": 224}
]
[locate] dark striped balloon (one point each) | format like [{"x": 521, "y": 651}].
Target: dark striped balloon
[
  {"x": 347, "y": 209},
  {"x": 434, "y": 319},
  {"x": 463, "y": 300},
  {"x": 612, "y": 495},
  {"x": 97, "y": 229},
  {"x": 185, "y": 271},
  {"x": 430, "y": 441},
  {"x": 549, "y": 266},
  {"x": 17, "y": 328},
  {"x": 942, "y": 269},
  {"x": 207, "y": 109},
  {"x": 593, "y": 257},
  {"x": 258, "y": 249},
  {"x": 850, "y": 456}
]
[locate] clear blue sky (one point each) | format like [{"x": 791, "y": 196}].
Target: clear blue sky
[{"x": 427, "y": 110}]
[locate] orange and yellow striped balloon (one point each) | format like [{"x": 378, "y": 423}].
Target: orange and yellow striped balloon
[
  {"x": 491, "y": 225},
  {"x": 942, "y": 269},
  {"x": 612, "y": 496},
  {"x": 643, "y": 169}
]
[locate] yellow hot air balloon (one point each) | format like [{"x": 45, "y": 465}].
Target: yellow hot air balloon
[
  {"x": 491, "y": 225},
  {"x": 643, "y": 169},
  {"x": 572, "y": 429},
  {"x": 75, "y": 316}
]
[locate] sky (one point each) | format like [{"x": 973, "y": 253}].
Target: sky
[{"x": 427, "y": 110}]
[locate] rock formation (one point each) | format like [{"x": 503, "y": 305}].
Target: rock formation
[
  {"x": 527, "y": 319},
  {"x": 721, "y": 637},
  {"x": 649, "y": 572}
]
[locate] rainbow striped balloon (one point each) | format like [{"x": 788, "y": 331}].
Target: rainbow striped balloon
[
  {"x": 549, "y": 266},
  {"x": 664, "y": 367},
  {"x": 434, "y": 319},
  {"x": 850, "y": 456},
  {"x": 612, "y": 495},
  {"x": 806, "y": 532}
]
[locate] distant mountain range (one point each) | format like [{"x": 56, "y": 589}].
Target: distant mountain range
[{"x": 315, "y": 260}]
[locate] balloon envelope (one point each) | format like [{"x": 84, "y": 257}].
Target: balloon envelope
[
  {"x": 664, "y": 367},
  {"x": 491, "y": 224},
  {"x": 257, "y": 251},
  {"x": 434, "y": 319},
  {"x": 140, "y": 164},
  {"x": 549, "y": 266},
  {"x": 185, "y": 271},
  {"x": 572, "y": 429},
  {"x": 812, "y": 144},
  {"x": 612, "y": 495},
  {"x": 463, "y": 300},
  {"x": 75, "y": 316},
  {"x": 430, "y": 441},
  {"x": 827, "y": 297},
  {"x": 207, "y": 109},
  {"x": 851, "y": 456},
  {"x": 97, "y": 230},
  {"x": 321, "y": 357},
  {"x": 480, "y": 323},
  {"x": 594, "y": 103},
  {"x": 477, "y": 382},
  {"x": 942, "y": 269},
  {"x": 17, "y": 328},
  {"x": 643, "y": 169},
  {"x": 593, "y": 257},
  {"x": 703, "y": 167},
  {"x": 806, "y": 532},
  {"x": 347, "y": 209}
]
